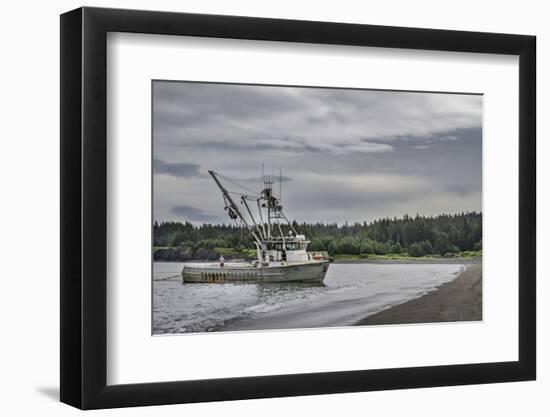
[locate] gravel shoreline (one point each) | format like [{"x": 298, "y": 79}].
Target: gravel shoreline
[{"x": 458, "y": 300}]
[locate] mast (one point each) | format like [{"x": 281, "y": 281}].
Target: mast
[
  {"x": 261, "y": 217},
  {"x": 267, "y": 195},
  {"x": 267, "y": 227},
  {"x": 243, "y": 199}
]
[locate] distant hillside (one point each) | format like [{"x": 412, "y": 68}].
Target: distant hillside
[{"x": 414, "y": 236}]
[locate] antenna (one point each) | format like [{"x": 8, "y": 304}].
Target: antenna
[{"x": 280, "y": 185}]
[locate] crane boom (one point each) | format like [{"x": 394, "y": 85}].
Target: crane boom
[{"x": 226, "y": 194}]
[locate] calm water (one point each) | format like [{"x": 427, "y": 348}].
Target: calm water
[{"x": 350, "y": 292}]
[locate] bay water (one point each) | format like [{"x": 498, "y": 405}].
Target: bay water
[{"x": 350, "y": 292}]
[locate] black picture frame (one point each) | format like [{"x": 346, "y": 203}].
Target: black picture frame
[{"x": 84, "y": 207}]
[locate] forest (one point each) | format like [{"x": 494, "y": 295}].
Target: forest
[{"x": 417, "y": 236}]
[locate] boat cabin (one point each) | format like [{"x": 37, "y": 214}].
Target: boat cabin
[{"x": 285, "y": 249}]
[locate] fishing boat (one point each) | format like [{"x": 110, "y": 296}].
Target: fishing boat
[{"x": 281, "y": 252}]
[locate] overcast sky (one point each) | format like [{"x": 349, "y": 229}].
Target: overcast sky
[{"x": 346, "y": 155}]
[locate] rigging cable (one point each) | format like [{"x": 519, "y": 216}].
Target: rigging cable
[{"x": 237, "y": 184}]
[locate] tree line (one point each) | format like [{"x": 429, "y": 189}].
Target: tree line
[{"x": 415, "y": 236}]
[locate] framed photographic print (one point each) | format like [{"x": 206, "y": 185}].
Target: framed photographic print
[{"x": 258, "y": 207}]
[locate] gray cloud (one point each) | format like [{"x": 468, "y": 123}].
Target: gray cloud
[
  {"x": 461, "y": 189},
  {"x": 182, "y": 170},
  {"x": 351, "y": 154},
  {"x": 192, "y": 214},
  {"x": 300, "y": 119}
]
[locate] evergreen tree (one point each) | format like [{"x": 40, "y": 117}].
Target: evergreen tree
[{"x": 439, "y": 235}]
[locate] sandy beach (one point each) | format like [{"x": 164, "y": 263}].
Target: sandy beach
[{"x": 458, "y": 300}]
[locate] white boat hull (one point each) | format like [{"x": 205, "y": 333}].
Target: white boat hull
[{"x": 312, "y": 271}]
